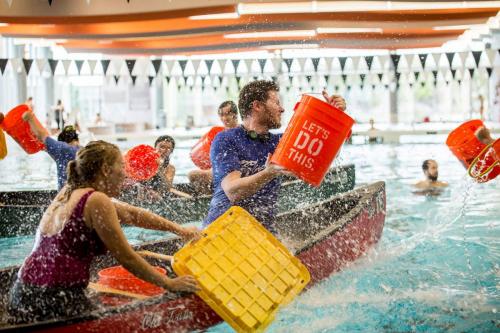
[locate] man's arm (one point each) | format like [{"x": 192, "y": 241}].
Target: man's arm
[
  {"x": 40, "y": 132},
  {"x": 238, "y": 188}
]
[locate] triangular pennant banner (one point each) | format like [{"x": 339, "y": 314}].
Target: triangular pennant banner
[
  {"x": 150, "y": 80},
  {"x": 183, "y": 64},
  {"x": 315, "y": 62},
  {"x": 380, "y": 76},
  {"x": 288, "y": 63},
  {"x": 435, "y": 74},
  {"x": 262, "y": 64},
  {"x": 236, "y": 63},
  {"x": 422, "y": 58},
  {"x": 66, "y": 64},
  {"x": 327, "y": 78},
  {"x": 79, "y": 64},
  {"x": 477, "y": 57},
  {"x": 156, "y": 65},
  {"x": 395, "y": 60},
  {"x": 453, "y": 73},
  {"x": 471, "y": 72},
  {"x": 53, "y": 65},
  {"x": 276, "y": 64},
  {"x": 450, "y": 56},
  {"x": 134, "y": 78},
  {"x": 344, "y": 78},
  {"x": 369, "y": 62},
  {"x": 196, "y": 64},
  {"x": 274, "y": 79},
  {"x": 117, "y": 78},
  {"x": 27, "y": 65},
  {"x": 130, "y": 65},
  {"x": 92, "y": 64},
  {"x": 398, "y": 76},
  {"x": 308, "y": 77},
  {"x": 416, "y": 74},
  {"x": 209, "y": 64},
  {"x": 40, "y": 64},
  {"x": 105, "y": 65},
  {"x": 342, "y": 61},
  {"x": 463, "y": 57},
  {"x": 436, "y": 57},
  {"x": 355, "y": 62},
  {"x": 362, "y": 77},
  {"x": 168, "y": 79},
  {"x": 3, "y": 64},
  {"x": 238, "y": 79},
  {"x": 490, "y": 54},
  {"x": 489, "y": 70}
]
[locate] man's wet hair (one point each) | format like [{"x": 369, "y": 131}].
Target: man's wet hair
[
  {"x": 254, "y": 91},
  {"x": 166, "y": 138},
  {"x": 68, "y": 134},
  {"x": 425, "y": 165},
  {"x": 233, "y": 108}
]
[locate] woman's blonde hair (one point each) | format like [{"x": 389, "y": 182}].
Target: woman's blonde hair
[{"x": 83, "y": 170}]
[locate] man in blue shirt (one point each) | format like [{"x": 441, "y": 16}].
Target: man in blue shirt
[
  {"x": 62, "y": 151},
  {"x": 243, "y": 175}
]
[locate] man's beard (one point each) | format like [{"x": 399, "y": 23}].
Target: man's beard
[{"x": 433, "y": 178}]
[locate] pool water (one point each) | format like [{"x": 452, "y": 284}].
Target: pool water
[{"x": 435, "y": 269}]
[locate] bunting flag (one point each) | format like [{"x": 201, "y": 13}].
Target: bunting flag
[
  {"x": 362, "y": 78},
  {"x": 471, "y": 72},
  {"x": 416, "y": 74},
  {"x": 53, "y": 65},
  {"x": 183, "y": 64},
  {"x": 117, "y": 78},
  {"x": 130, "y": 65},
  {"x": 453, "y": 73},
  {"x": 369, "y": 62},
  {"x": 92, "y": 64},
  {"x": 209, "y": 64},
  {"x": 489, "y": 70},
  {"x": 40, "y": 64},
  {"x": 308, "y": 77},
  {"x": 79, "y": 64},
  {"x": 450, "y": 56},
  {"x": 235, "y": 63},
  {"x": 315, "y": 62},
  {"x": 156, "y": 66},
  {"x": 27, "y": 65},
  {"x": 3, "y": 64},
  {"x": 490, "y": 54},
  {"x": 168, "y": 79},
  {"x": 477, "y": 57},
  {"x": 344, "y": 78},
  {"x": 150, "y": 79},
  {"x": 463, "y": 57},
  {"x": 422, "y": 58},
  {"x": 66, "y": 65},
  {"x": 134, "y": 78},
  {"x": 395, "y": 60},
  {"x": 238, "y": 79},
  {"x": 288, "y": 63},
  {"x": 436, "y": 57},
  {"x": 168, "y": 66},
  {"x": 196, "y": 65},
  {"x": 262, "y": 64},
  {"x": 342, "y": 61},
  {"x": 276, "y": 64},
  {"x": 380, "y": 76},
  {"x": 355, "y": 62},
  {"x": 105, "y": 66}
]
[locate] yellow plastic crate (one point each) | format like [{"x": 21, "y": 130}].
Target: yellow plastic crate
[{"x": 244, "y": 272}]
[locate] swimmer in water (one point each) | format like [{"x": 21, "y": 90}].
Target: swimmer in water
[{"x": 431, "y": 182}]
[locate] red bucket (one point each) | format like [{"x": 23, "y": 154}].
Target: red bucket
[
  {"x": 312, "y": 139},
  {"x": 20, "y": 131},
  {"x": 119, "y": 278},
  {"x": 464, "y": 144},
  {"x": 142, "y": 162},
  {"x": 200, "y": 153},
  {"x": 486, "y": 165}
]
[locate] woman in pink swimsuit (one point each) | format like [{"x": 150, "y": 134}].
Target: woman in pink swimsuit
[{"x": 79, "y": 224}]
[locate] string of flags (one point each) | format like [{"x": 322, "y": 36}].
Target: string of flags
[{"x": 369, "y": 70}]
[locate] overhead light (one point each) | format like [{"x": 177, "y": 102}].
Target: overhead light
[
  {"x": 3, "y": 24},
  {"x": 356, "y": 6},
  {"x": 273, "y": 34},
  {"x": 458, "y": 27},
  {"x": 220, "y": 16},
  {"x": 348, "y": 30},
  {"x": 290, "y": 46}
]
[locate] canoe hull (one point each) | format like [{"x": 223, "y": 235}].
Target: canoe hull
[{"x": 347, "y": 236}]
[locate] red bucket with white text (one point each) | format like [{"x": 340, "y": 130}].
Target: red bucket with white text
[{"x": 312, "y": 139}]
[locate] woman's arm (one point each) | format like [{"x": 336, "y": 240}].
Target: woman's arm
[
  {"x": 40, "y": 132},
  {"x": 168, "y": 176},
  {"x": 100, "y": 211},
  {"x": 143, "y": 218}
]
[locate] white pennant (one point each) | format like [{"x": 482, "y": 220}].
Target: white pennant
[
  {"x": 40, "y": 64},
  {"x": 141, "y": 67},
  {"x": 409, "y": 60},
  {"x": 248, "y": 64},
  {"x": 277, "y": 62},
  {"x": 228, "y": 67},
  {"x": 463, "y": 57},
  {"x": 196, "y": 64},
  {"x": 116, "y": 66},
  {"x": 66, "y": 64},
  {"x": 383, "y": 59},
  {"x": 92, "y": 64},
  {"x": 302, "y": 63},
  {"x": 355, "y": 62},
  {"x": 436, "y": 57},
  {"x": 168, "y": 66},
  {"x": 15, "y": 63},
  {"x": 491, "y": 56}
]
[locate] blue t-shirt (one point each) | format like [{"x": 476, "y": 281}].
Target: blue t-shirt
[
  {"x": 61, "y": 153},
  {"x": 232, "y": 150}
]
